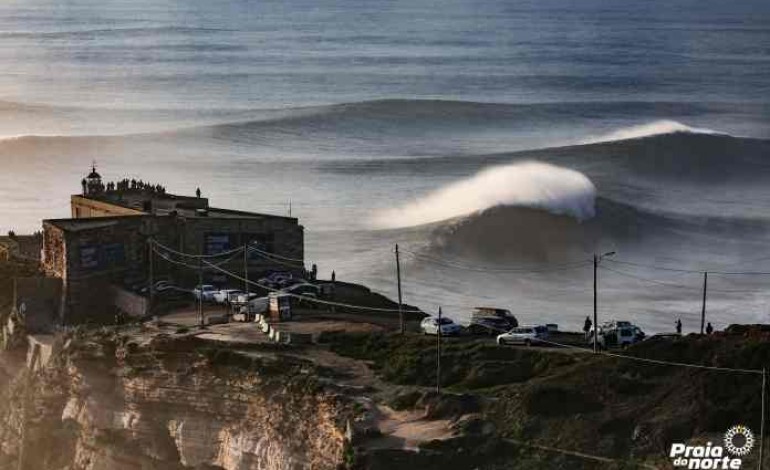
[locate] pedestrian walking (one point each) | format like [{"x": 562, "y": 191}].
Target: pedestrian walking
[
  {"x": 678, "y": 326},
  {"x": 709, "y": 329}
]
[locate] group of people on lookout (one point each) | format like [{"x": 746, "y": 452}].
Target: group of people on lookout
[{"x": 135, "y": 185}]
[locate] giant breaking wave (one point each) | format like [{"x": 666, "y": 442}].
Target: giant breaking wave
[{"x": 531, "y": 184}]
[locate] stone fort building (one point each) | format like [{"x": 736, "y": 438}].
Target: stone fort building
[{"x": 104, "y": 248}]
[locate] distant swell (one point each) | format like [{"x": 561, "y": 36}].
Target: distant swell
[{"x": 528, "y": 184}]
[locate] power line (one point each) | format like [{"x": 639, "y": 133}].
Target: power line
[
  {"x": 302, "y": 297},
  {"x": 275, "y": 255},
  {"x": 182, "y": 263},
  {"x": 654, "y": 361},
  {"x": 188, "y": 255},
  {"x": 670, "y": 284},
  {"x": 297, "y": 296},
  {"x": 235, "y": 251},
  {"x": 682, "y": 364},
  {"x": 690, "y": 271},
  {"x": 652, "y": 281},
  {"x": 278, "y": 261},
  {"x": 455, "y": 265}
]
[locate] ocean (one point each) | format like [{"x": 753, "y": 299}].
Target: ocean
[{"x": 501, "y": 144}]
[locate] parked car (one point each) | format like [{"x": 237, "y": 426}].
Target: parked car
[
  {"x": 430, "y": 326},
  {"x": 616, "y": 334},
  {"x": 204, "y": 292},
  {"x": 494, "y": 312},
  {"x": 279, "y": 280},
  {"x": 243, "y": 298},
  {"x": 304, "y": 289},
  {"x": 222, "y": 296},
  {"x": 526, "y": 335},
  {"x": 232, "y": 296}
]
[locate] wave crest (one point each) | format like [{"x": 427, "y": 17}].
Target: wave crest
[
  {"x": 530, "y": 184},
  {"x": 664, "y": 126}
]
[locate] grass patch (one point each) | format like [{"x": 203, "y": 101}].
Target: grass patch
[{"x": 466, "y": 364}]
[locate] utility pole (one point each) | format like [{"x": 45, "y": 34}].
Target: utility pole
[
  {"x": 438, "y": 353},
  {"x": 596, "y": 323},
  {"x": 703, "y": 308},
  {"x": 246, "y": 271},
  {"x": 762, "y": 421},
  {"x": 151, "y": 277},
  {"x": 400, "y": 305},
  {"x": 200, "y": 292},
  {"x": 597, "y": 258}
]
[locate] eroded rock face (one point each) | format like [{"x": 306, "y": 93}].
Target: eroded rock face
[{"x": 109, "y": 404}]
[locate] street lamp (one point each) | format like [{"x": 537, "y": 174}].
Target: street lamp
[{"x": 597, "y": 259}]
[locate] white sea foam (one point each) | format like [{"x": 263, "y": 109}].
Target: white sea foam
[
  {"x": 646, "y": 130},
  {"x": 529, "y": 184}
]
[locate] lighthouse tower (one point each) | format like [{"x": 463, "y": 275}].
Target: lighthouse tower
[{"x": 92, "y": 184}]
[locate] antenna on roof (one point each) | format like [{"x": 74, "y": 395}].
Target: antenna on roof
[{"x": 289, "y": 207}]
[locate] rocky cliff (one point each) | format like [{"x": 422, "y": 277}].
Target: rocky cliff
[{"x": 111, "y": 401}]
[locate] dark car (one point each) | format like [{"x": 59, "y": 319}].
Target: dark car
[{"x": 502, "y": 314}]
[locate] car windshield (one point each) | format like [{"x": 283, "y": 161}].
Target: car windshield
[{"x": 445, "y": 321}]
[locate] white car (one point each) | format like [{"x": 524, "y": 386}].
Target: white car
[
  {"x": 430, "y": 326},
  {"x": 232, "y": 297},
  {"x": 223, "y": 296},
  {"x": 204, "y": 292},
  {"x": 526, "y": 335},
  {"x": 243, "y": 299}
]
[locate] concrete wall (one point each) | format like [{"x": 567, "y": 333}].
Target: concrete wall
[
  {"x": 133, "y": 305},
  {"x": 84, "y": 207}
]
